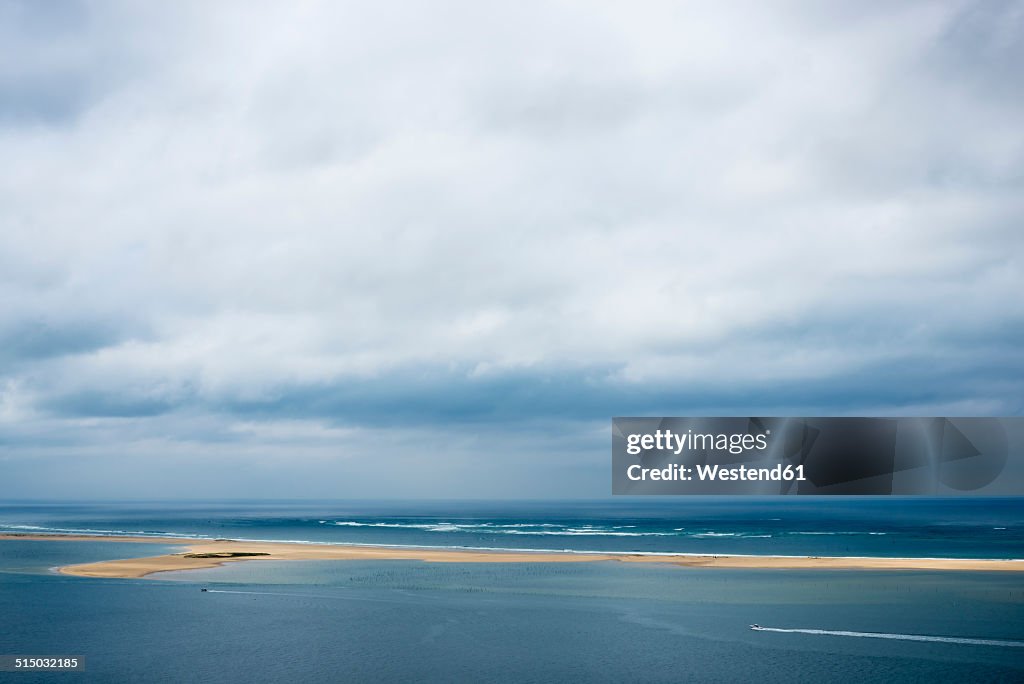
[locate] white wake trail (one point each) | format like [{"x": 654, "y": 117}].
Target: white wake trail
[
  {"x": 900, "y": 637},
  {"x": 267, "y": 593}
]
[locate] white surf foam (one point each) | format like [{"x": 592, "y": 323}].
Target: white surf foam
[
  {"x": 524, "y": 529},
  {"x": 98, "y": 533}
]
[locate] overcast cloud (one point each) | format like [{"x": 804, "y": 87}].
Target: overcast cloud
[{"x": 429, "y": 249}]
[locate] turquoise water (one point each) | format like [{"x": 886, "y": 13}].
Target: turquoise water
[{"x": 400, "y": 621}]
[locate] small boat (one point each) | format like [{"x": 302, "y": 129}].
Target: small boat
[
  {"x": 753, "y": 626},
  {"x": 203, "y": 589}
]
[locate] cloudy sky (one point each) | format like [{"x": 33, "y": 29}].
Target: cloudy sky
[{"x": 413, "y": 249}]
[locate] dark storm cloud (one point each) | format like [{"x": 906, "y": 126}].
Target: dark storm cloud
[{"x": 334, "y": 241}]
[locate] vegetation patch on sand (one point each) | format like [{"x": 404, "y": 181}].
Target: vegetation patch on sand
[{"x": 225, "y": 554}]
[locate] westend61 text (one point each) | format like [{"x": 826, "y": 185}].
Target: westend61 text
[{"x": 712, "y": 473}]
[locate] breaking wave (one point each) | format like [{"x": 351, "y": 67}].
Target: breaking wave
[
  {"x": 528, "y": 529},
  {"x": 98, "y": 533}
]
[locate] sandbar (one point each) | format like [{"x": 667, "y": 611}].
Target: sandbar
[{"x": 202, "y": 553}]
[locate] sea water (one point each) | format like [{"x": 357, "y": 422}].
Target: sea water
[
  {"x": 948, "y": 528},
  {"x": 330, "y": 621}
]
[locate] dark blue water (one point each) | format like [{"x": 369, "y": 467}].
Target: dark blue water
[
  {"x": 400, "y": 621},
  {"x": 950, "y": 528}
]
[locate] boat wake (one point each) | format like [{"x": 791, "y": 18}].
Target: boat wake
[
  {"x": 899, "y": 637},
  {"x": 266, "y": 593}
]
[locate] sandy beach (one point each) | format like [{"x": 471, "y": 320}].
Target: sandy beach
[{"x": 212, "y": 553}]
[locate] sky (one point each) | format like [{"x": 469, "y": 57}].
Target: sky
[{"x": 399, "y": 249}]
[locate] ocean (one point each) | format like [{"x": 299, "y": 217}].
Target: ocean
[{"x": 401, "y": 621}]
